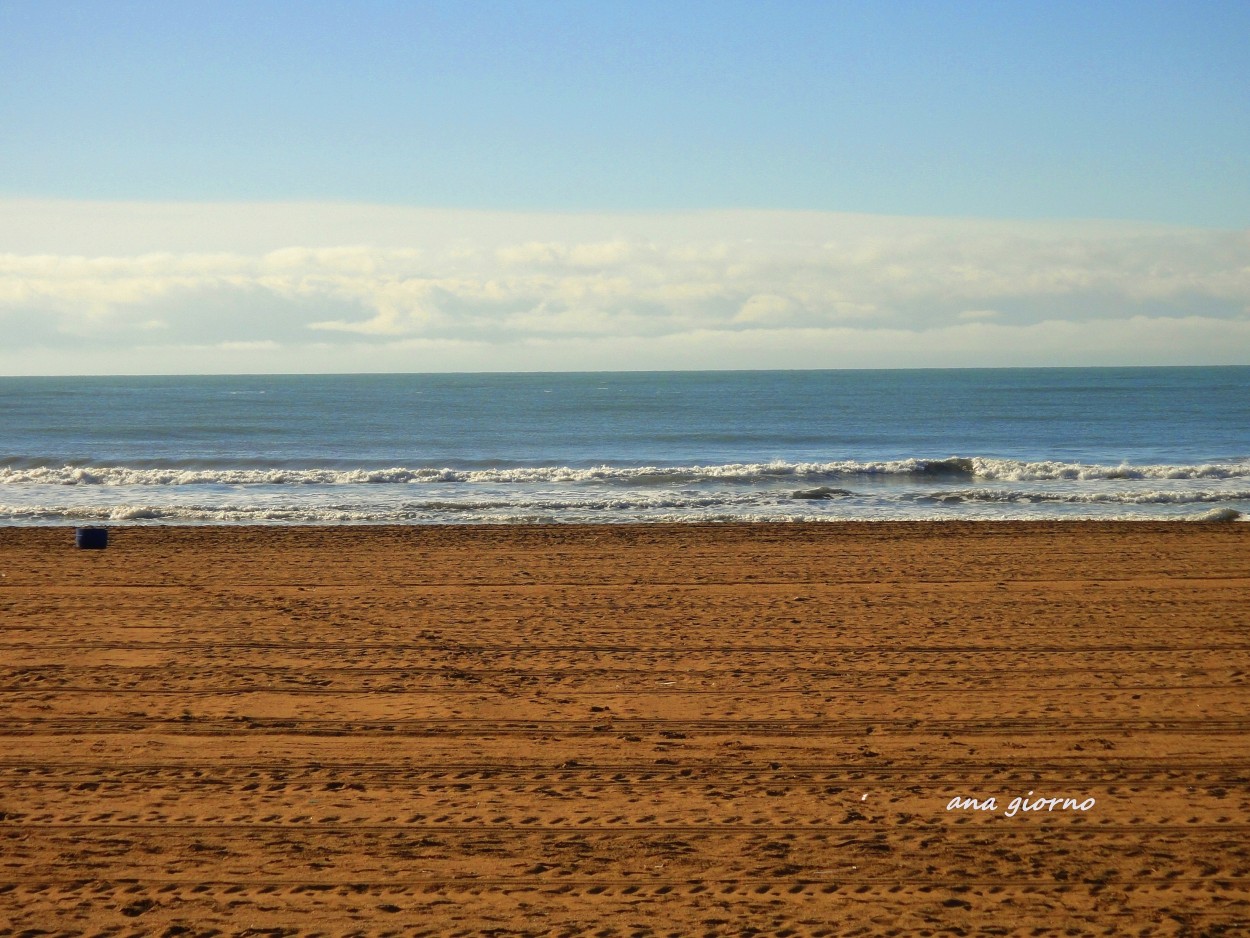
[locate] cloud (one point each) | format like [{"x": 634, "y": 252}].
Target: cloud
[{"x": 466, "y": 290}]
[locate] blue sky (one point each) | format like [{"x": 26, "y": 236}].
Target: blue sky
[
  {"x": 621, "y": 119},
  {"x": 1007, "y": 109}
]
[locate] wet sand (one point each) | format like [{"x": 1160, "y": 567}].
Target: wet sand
[{"x": 688, "y": 730}]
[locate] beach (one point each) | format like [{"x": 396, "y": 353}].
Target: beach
[{"x": 634, "y": 729}]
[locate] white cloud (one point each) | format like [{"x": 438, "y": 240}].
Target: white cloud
[
  {"x": 765, "y": 308},
  {"x": 736, "y": 289},
  {"x": 262, "y": 346}
]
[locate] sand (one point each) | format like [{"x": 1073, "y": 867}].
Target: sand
[{"x": 634, "y": 731}]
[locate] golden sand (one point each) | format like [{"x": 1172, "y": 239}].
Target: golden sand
[{"x": 689, "y": 730}]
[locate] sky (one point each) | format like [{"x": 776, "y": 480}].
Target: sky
[{"x": 279, "y": 186}]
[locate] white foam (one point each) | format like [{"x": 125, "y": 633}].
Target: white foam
[
  {"x": 1004, "y": 470},
  {"x": 1007, "y": 470},
  {"x": 1087, "y": 497},
  {"x": 1220, "y": 514}
]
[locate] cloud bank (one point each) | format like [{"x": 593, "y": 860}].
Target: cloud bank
[{"x": 102, "y": 288}]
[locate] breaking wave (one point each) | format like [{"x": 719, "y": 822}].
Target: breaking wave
[
  {"x": 952, "y": 468},
  {"x": 1220, "y": 514},
  {"x": 823, "y": 491},
  {"x": 1096, "y": 497},
  {"x": 530, "y": 514}
]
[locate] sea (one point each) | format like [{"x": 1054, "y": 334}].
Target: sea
[{"x": 730, "y": 446}]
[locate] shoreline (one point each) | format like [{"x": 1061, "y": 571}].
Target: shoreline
[
  {"x": 652, "y": 728},
  {"x": 129, "y": 525}
]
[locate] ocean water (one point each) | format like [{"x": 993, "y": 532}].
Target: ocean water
[{"x": 1079, "y": 443}]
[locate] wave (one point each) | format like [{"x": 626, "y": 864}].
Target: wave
[
  {"x": 822, "y": 492},
  {"x": 632, "y": 475},
  {"x": 1006, "y": 470},
  {"x": 1220, "y": 514},
  {"x": 126, "y": 515},
  {"x": 1088, "y": 497},
  {"x": 953, "y": 468},
  {"x": 401, "y": 511}
]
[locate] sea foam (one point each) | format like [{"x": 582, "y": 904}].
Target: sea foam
[{"x": 981, "y": 468}]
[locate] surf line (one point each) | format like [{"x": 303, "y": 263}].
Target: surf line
[{"x": 1019, "y": 803}]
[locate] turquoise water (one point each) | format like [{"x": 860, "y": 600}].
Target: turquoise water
[{"x": 983, "y": 443}]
